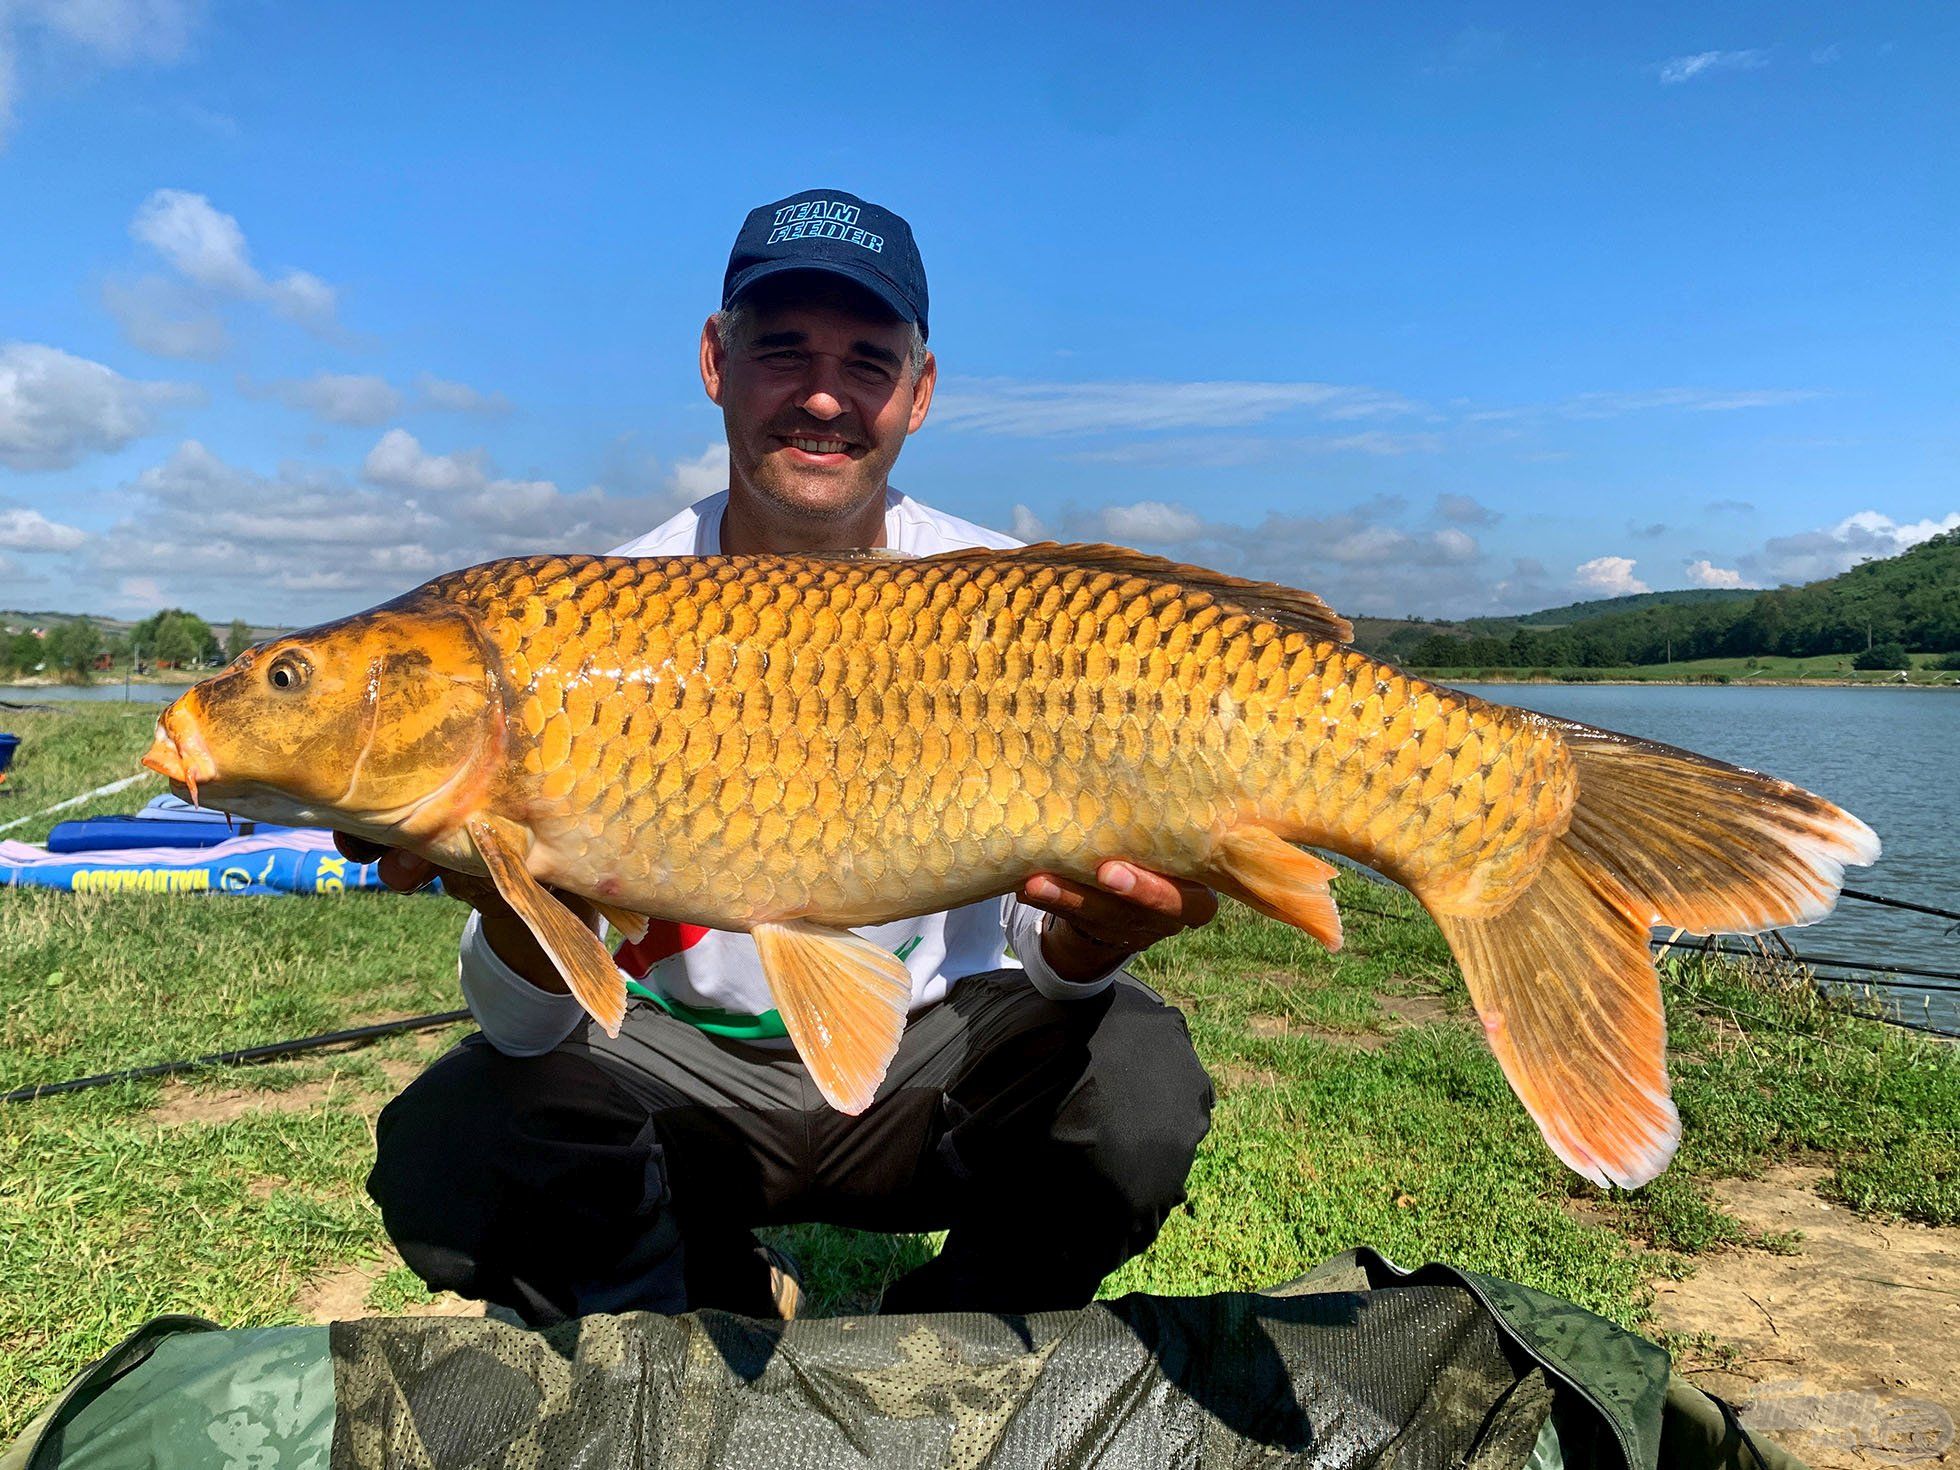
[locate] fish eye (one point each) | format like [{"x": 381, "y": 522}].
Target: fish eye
[{"x": 286, "y": 672}]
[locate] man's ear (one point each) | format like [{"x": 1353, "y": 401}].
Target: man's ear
[
  {"x": 713, "y": 359},
  {"x": 922, "y": 392}
]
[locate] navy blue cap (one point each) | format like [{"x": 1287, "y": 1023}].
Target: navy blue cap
[{"x": 829, "y": 230}]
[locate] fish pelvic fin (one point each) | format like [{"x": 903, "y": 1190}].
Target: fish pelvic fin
[
  {"x": 1563, "y": 977},
  {"x": 574, "y": 949},
  {"x": 1264, "y": 871},
  {"x": 843, "y": 1001},
  {"x": 632, "y": 925}
]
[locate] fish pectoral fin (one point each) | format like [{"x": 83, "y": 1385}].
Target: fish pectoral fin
[
  {"x": 1264, "y": 871},
  {"x": 575, "y": 950},
  {"x": 843, "y": 1001},
  {"x": 632, "y": 925}
]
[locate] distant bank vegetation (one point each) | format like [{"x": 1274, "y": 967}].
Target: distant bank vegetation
[{"x": 1876, "y": 616}]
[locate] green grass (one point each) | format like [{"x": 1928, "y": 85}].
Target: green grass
[{"x": 1357, "y": 1104}]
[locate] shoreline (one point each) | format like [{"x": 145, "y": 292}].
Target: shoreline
[{"x": 1445, "y": 678}]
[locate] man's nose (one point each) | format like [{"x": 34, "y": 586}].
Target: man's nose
[{"x": 823, "y": 388}]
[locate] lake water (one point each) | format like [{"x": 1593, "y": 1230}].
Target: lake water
[
  {"x": 1892, "y": 756},
  {"x": 52, "y": 693}
]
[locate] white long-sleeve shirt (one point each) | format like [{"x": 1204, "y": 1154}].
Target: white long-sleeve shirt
[{"x": 713, "y": 978}]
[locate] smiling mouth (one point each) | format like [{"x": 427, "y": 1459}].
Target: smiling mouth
[{"x": 817, "y": 446}]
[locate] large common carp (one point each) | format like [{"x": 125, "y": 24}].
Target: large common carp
[{"x": 795, "y": 745}]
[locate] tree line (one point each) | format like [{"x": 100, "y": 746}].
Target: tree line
[
  {"x": 1877, "y": 612},
  {"x": 173, "y": 638}
]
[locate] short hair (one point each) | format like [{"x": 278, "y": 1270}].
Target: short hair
[{"x": 812, "y": 288}]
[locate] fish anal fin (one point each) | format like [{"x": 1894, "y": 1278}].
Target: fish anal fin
[
  {"x": 1571, "y": 1005},
  {"x": 1264, "y": 871},
  {"x": 574, "y": 949},
  {"x": 632, "y": 925},
  {"x": 843, "y": 1001}
]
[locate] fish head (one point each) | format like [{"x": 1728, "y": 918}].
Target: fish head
[{"x": 387, "y": 724}]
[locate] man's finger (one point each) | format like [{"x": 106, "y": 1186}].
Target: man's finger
[
  {"x": 404, "y": 871},
  {"x": 358, "y": 849},
  {"x": 1187, "y": 903}
]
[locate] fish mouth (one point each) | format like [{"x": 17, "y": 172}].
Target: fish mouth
[{"x": 178, "y": 753}]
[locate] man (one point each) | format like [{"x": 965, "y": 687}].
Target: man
[{"x": 1043, "y": 1109}]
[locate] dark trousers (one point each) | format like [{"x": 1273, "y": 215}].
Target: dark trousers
[{"x": 1050, "y": 1139}]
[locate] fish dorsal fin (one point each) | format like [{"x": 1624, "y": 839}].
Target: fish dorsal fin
[
  {"x": 576, "y": 951},
  {"x": 1264, "y": 871},
  {"x": 1287, "y": 606},
  {"x": 843, "y": 1001}
]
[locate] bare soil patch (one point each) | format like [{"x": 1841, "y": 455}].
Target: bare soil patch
[
  {"x": 185, "y": 1102},
  {"x": 1847, "y": 1352},
  {"x": 341, "y": 1296}
]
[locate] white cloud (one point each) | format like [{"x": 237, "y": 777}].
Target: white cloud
[
  {"x": 1678, "y": 69},
  {"x": 1027, "y": 525},
  {"x": 502, "y": 517},
  {"x": 1608, "y": 576},
  {"x": 55, "y": 407},
  {"x": 703, "y": 475},
  {"x": 454, "y": 397},
  {"x": 1222, "y": 451},
  {"x": 399, "y": 462},
  {"x": 1705, "y": 573},
  {"x": 339, "y": 398},
  {"x": 23, "y": 528},
  {"x": 1811, "y": 555},
  {"x": 1042, "y": 410},
  {"x": 1466, "y": 510},
  {"x": 105, "y": 32},
  {"x": 1604, "y": 405},
  {"x": 207, "y": 248},
  {"x": 1149, "y": 521},
  {"x": 165, "y": 318}
]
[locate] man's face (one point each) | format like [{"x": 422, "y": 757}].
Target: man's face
[{"x": 817, "y": 401}]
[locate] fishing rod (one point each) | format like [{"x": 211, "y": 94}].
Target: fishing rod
[
  {"x": 1898, "y": 903},
  {"x": 1814, "y": 961},
  {"x": 238, "y": 1057}
]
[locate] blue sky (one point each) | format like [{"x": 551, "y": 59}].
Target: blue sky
[{"x": 1441, "y": 309}]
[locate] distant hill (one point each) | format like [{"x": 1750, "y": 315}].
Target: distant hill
[
  {"x": 1912, "y": 599},
  {"x": 1579, "y": 612}
]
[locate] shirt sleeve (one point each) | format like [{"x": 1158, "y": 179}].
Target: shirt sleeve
[
  {"x": 1023, "y": 925},
  {"x": 515, "y": 1016}
]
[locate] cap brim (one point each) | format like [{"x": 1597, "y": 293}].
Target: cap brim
[{"x": 870, "y": 280}]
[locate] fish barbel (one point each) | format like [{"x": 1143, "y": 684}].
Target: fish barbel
[{"x": 796, "y": 745}]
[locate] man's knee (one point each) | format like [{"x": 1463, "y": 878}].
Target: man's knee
[
  {"x": 1145, "y": 1105},
  {"x": 484, "y": 1151}
]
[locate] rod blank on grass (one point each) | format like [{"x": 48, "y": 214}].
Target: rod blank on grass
[{"x": 238, "y": 1057}]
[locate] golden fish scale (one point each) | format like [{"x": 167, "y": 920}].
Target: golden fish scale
[{"x": 733, "y": 740}]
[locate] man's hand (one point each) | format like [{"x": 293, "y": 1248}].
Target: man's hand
[
  {"x": 509, "y": 936},
  {"x": 1126, "y": 911}
]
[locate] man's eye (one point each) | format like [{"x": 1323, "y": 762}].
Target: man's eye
[
  {"x": 786, "y": 358},
  {"x": 874, "y": 373}
]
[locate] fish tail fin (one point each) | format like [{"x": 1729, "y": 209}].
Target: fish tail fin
[{"x": 1563, "y": 977}]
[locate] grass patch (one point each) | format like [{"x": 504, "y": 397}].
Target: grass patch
[{"x": 1358, "y": 1104}]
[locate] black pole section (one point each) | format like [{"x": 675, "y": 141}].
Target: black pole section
[
  {"x": 1811, "y": 960},
  {"x": 1899, "y": 903},
  {"x": 238, "y": 1057}
]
